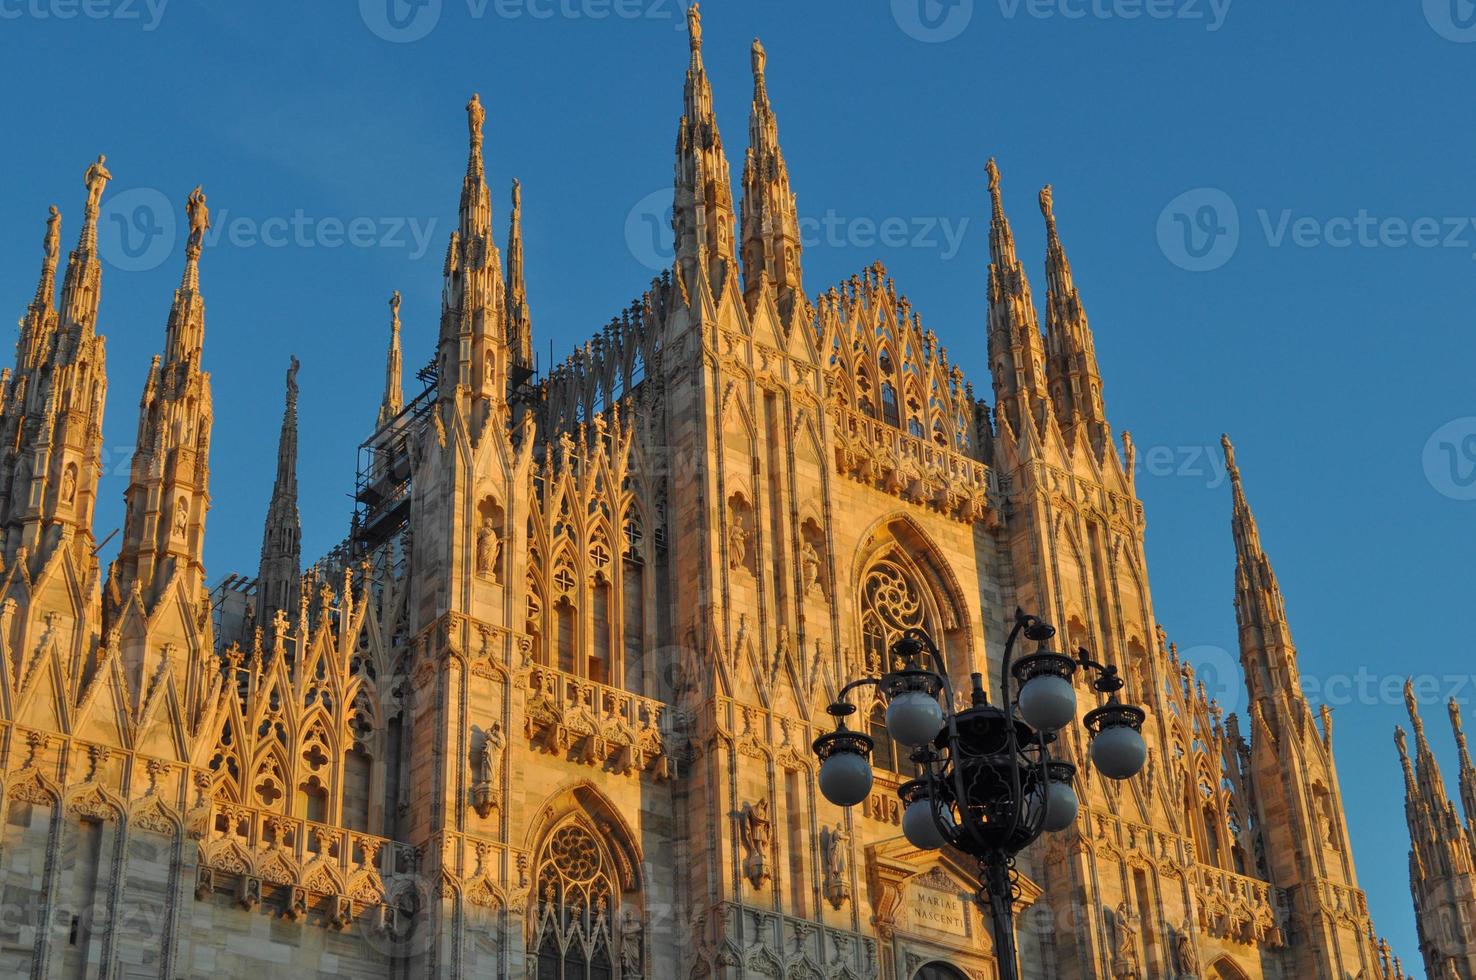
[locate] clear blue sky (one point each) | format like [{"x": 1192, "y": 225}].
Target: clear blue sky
[{"x": 1332, "y": 353}]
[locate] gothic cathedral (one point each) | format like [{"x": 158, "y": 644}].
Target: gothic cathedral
[{"x": 547, "y": 711}]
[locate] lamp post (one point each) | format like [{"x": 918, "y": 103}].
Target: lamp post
[{"x": 988, "y": 784}]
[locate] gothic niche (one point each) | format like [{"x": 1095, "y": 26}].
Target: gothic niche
[
  {"x": 489, "y": 540},
  {"x": 812, "y": 560},
  {"x": 740, "y": 532},
  {"x": 581, "y": 931},
  {"x": 487, "y": 771}
]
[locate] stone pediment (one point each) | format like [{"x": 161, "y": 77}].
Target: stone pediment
[{"x": 931, "y": 893}]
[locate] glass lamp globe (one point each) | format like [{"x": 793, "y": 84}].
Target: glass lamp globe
[
  {"x": 1047, "y": 702},
  {"x": 845, "y": 778},
  {"x": 919, "y": 827},
  {"x": 1119, "y": 752},
  {"x": 914, "y": 718},
  {"x": 1060, "y": 807}
]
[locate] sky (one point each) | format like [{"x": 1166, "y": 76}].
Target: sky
[{"x": 1267, "y": 207}]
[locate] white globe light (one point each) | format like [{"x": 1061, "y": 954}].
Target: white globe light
[
  {"x": 1119, "y": 753},
  {"x": 1047, "y": 702},
  {"x": 1060, "y": 807},
  {"x": 914, "y": 718},
  {"x": 919, "y": 827},
  {"x": 845, "y": 778}
]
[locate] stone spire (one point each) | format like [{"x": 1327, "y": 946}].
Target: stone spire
[
  {"x": 1076, "y": 384},
  {"x": 771, "y": 235},
  {"x": 1442, "y": 864},
  {"x": 82, "y": 285},
  {"x": 1017, "y": 355},
  {"x": 277, "y": 581},
  {"x": 702, "y": 212},
  {"x": 51, "y": 422},
  {"x": 168, "y": 492},
  {"x": 1468, "y": 771},
  {"x": 1266, "y": 648},
  {"x": 394, "y": 393},
  {"x": 519, "y": 320},
  {"x": 472, "y": 359}
]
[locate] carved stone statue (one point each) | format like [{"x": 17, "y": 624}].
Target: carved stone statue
[
  {"x": 756, "y": 829},
  {"x": 837, "y": 858},
  {"x": 491, "y": 757},
  {"x": 489, "y": 764},
  {"x": 489, "y": 549},
  {"x": 69, "y": 485},
  {"x": 760, "y": 59},
  {"x": 1184, "y": 949},
  {"x": 630, "y": 946},
  {"x": 1125, "y": 958},
  {"x": 475, "y": 117},
  {"x": 53, "y": 235},
  {"x": 199, "y": 216},
  {"x": 694, "y": 26},
  {"x": 836, "y": 855},
  {"x": 810, "y": 567},
  {"x": 181, "y": 517},
  {"x": 96, "y": 179},
  {"x": 737, "y": 543}
]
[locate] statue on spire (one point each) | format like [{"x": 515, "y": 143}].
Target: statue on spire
[
  {"x": 394, "y": 305},
  {"x": 1047, "y": 205},
  {"x": 96, "y": 179},
  {"x": 760, "y": 58},
  {"x": 694, "y": 27},
  {"x": 292, "y": 365},
  {"x": 992, "y": 169},
  {"x": 1229, "y": 456},
  {"x": 475, "y": 117},
  {"x": 53, "y": 236},
  {"x": 199, "y": 218}
]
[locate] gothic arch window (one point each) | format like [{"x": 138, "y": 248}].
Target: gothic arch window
[
  {"x": 578, "y": 915},
  {"x": 938, "y": 971},
  {"x": 891, "y": 604}
]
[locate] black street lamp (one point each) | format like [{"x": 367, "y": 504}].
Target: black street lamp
[{"x": 988, "y": 784}]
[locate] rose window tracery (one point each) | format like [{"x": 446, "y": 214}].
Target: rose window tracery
[{"x": 578, "y": 935}]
